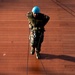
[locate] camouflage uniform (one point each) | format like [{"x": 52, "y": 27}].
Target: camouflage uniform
[{"x": 36, "y": 25}]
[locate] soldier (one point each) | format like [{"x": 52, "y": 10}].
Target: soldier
[{"x": 37, "y": 22}]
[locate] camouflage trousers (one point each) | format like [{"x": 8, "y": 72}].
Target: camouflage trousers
[{"x": 36, "y": 39}]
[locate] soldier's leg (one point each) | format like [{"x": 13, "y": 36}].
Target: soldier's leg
[
  {"x": 32, "y": 51},
  {"x": 38, "y": 47},
  {"x": 37, "y": 50}
]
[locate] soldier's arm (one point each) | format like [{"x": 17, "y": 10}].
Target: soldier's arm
[
  {"x": 46, "y": 19},
  {"x": 29, "y": 16}
]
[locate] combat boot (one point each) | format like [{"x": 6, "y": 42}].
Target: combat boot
[
  {"x": 32, "y": 51},
  {"x": 37, "y": 55}
]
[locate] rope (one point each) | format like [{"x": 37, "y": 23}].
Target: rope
[{"x": 27, "y": 55}]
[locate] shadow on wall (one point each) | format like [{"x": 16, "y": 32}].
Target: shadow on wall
[{"x": 63, "y": 57}]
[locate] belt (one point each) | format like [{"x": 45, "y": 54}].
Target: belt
[{"x": 37, "y": 28}]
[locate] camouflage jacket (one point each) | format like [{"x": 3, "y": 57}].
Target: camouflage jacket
[{"x": 37, "y": 22}]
